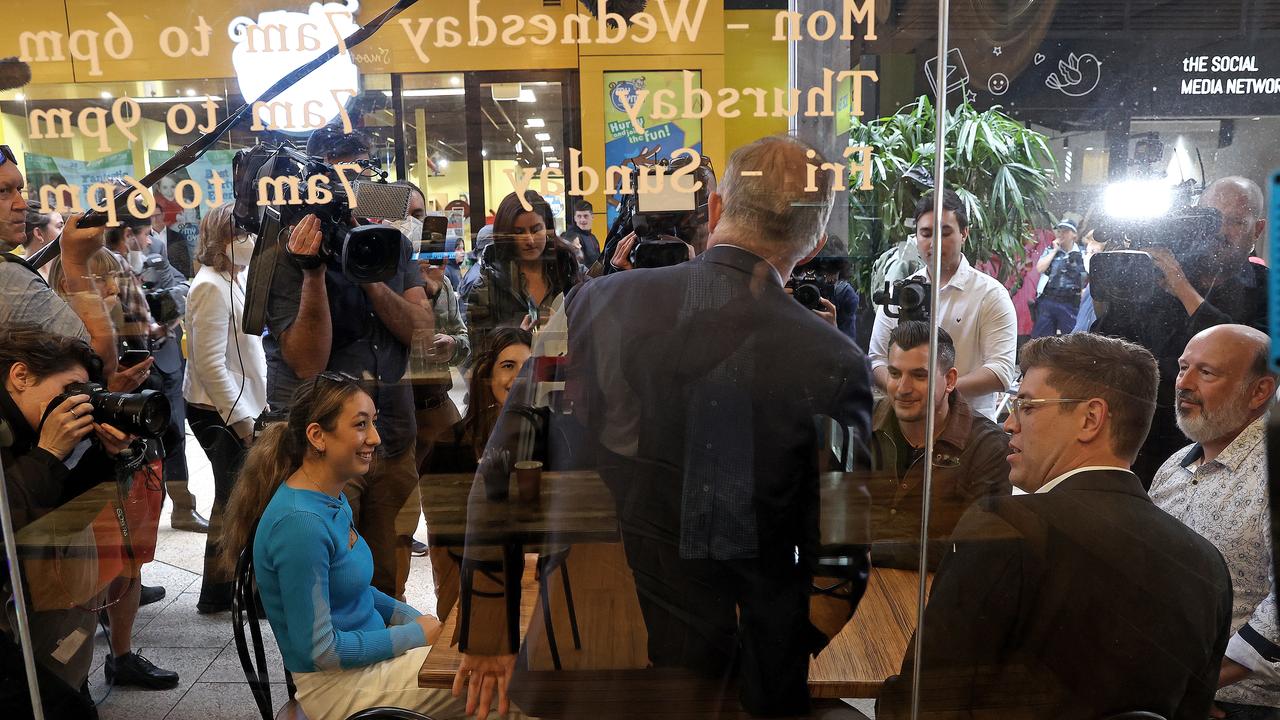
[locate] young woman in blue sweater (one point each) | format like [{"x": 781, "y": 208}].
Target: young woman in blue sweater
[{"x": 348, "y": 645}]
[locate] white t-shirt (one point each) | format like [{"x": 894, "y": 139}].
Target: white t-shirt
[{"x": 976, "y": 311}]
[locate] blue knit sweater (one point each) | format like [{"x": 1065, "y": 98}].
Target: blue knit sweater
[{"x": 315, "y": 587}]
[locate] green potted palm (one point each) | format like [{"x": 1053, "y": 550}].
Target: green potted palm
[{"x": 1002, "y": 171}]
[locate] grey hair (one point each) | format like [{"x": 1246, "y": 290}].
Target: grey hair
[{"x": 774, "y": 204}]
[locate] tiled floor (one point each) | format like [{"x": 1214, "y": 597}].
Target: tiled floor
[{"x": 199, "y": 647}]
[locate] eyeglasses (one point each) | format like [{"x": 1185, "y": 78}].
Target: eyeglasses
[
  {"x": 1018, "y": 405},
  {"x": 6, "y": 155}
]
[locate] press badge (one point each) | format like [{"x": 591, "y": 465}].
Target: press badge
[{"x": 69, "y": 646}]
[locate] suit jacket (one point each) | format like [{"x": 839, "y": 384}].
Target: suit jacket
[
  {"x": 1081, "y": 602},
  {"x": 704, "y": 371}
]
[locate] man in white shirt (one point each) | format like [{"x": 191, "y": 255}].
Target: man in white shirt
[
  {"x": 1081, "y": 598},
  {"x": 1218, "y": 487},
  {"x": 972, "y": 306}
]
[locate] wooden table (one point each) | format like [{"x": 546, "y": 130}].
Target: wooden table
[{"x": 577, "y": 508}]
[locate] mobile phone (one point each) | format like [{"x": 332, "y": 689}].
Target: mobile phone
[{"x": 132, "y": 357}]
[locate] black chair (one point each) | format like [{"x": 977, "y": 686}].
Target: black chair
[
  {"x": 390, "y": 713},
  {"x": 547, "y": 564},
  {"x": 245, "y": 610},
  {"x": 1135, "y": 715}
]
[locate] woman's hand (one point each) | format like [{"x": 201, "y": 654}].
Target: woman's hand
[
  {"x": 69, "y": 423},
  {"x": 828, "y": 311},
  {"x": 113, "y": 440},
  {"x": 431, "y": 627},
  {"x": 128, "y": 379},
  {"x": 483, "y": 674}
]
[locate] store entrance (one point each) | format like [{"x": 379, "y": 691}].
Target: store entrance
[{"x": 467, "y": 134}]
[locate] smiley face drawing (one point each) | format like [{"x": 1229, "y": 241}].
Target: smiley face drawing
[{"x": 998, "y": 84}]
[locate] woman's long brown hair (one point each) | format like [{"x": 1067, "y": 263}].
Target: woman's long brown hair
[{"x": 276, "y": 455}]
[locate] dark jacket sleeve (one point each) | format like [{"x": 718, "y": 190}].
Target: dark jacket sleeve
[
  {"x": 1252, "y": 311},
  {"x": 973, "y": 608},
  {"x": 39, "y": 483}
]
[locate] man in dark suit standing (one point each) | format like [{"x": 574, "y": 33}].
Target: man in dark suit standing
[
  {"x": 703, "y": 394},
  {"x": 1081, "y": 599}
]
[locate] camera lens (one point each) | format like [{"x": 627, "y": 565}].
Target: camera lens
[
  {"x": 809, "y": 296},
  {"x": 142, "y": 413}
]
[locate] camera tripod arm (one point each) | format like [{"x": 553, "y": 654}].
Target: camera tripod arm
[{"x": 204, "y": 143}]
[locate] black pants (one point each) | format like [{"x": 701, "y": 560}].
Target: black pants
[
  {"x": 226, "y": 453},
  {"x": 746, "y": 620}
]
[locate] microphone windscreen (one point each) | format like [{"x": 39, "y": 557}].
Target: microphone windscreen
[{"x": 13, "y": 73}]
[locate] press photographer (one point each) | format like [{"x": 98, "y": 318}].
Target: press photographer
[
  {"x": 663, "y": 227},
  {"x": 822, "y": 285},
  {"x": 972, "y": 306},
  {"x": 159, "y": 294},
  {"x": 1198, "y": 275},
  {"x": 319, "y": 318},
  {"x": 56, "y": 444}
]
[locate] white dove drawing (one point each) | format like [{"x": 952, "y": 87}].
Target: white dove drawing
[{"x": 1077, "y": 76}]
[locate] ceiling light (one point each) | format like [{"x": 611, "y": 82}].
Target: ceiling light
[
  {"x": 553, "y": 165},
  {"x": 526, "y": 95},
  {"x": 548, "y": 148},
  {"x": 444, "y": 163},
  {"x": 19, "y": 97},
  {"x": 428, "y": 92},
  {"x": 535, "y": 123},
  {"x": 191, "y": 92},
  {"x": 484, "y": 153},
  {"x": 455, "y": 80},
  {"x": 106, "y": 95},
  {"x": 518, "y": 145},
  {"x": 542, "y": 137}
]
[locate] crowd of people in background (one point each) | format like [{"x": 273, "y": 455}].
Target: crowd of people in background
[{"x": 1099, "y": 527}]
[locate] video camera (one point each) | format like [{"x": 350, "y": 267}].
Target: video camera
[
  {"x": 144, "y": 413},
  {"x": 666, "y": 222},
  {"x": 912, "y": 296},
  {"x": 1126, "y": 271},
  {"x": 365, "y": 253}
]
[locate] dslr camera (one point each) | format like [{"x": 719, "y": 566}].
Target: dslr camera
[
  {"x": 1126, "y": 272},
  {"x": 144, "y": 413},
  {"x": 911, "y": 296},
  {"x": 666, "y": 221}
]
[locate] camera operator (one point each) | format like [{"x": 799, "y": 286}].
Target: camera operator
[
  {"x": 47, "y": 462},
  {"x": 318, "y": 319},
  {"x": 155, "y": 286},
  {"x": 837, "y": 301},
  {"x": 973, "y": 307},
  {"x": 25, "y": 296},
  {"x": 1217, "y": 285}
]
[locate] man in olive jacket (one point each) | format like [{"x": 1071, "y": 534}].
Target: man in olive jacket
[{"x": 969, "y": 451}]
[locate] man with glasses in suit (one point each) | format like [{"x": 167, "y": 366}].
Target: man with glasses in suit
[{"x": 1080, "y": 598}]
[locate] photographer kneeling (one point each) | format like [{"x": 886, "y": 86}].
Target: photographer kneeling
[{"x": 53, "y": 452}]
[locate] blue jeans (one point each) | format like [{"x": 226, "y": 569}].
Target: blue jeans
[
  {"x": 1053, "y": 317},
  {"x": 1249, "y": 712}
]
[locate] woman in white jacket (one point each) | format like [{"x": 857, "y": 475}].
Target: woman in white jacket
[{"x": 225, "y": 387}]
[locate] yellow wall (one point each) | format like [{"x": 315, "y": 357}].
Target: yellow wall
[{"x": 752, "y": 59}]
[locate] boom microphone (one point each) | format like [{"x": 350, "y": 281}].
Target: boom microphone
[
  {"x": 202, "y": 144},
  {"x": 13, "y": 73}
]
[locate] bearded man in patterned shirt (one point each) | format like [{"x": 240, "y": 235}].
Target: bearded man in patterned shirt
[{"x": 1218, "y": 487}]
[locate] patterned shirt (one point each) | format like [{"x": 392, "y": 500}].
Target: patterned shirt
[{"x": 1225, "y": 501}]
